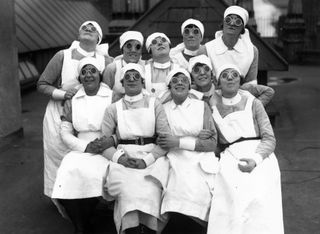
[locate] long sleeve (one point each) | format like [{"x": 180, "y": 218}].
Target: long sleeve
[
  {"x": 108, "y": 128},
  {"x": 67, "y": 131},
  {"x": 162, "y": 128},
  {"x": 261, "y": 92},
  {"x": 51, "y": 76},
  {"x": 108, "y": 76},
  {"x": 207, "y": 145},
  {"x": 262, "y": 123},
  {"x": 253, "y": 70}
]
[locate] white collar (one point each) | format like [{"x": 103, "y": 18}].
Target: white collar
[
  {"x": 162, "y": 65},
  {"x": 238, "y": 47},
  {"x": 85, "y": 53},
  {"x": 104, "y": 91},
  {"x": 133, "y": 98},
  {"x": 190, "y": 52},
  {"x": 183, "y": 105},
  {"x": 231, "y": 101}
]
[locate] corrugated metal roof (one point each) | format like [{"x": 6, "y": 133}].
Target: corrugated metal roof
[
  {"x": 43, "y": 24},
  {"x": 167, "y": 16}
]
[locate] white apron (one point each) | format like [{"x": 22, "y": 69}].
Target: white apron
[
  {"x": 192, "y": 173},
  {"x": 80, "y": 174},
  {"x": 53, "y": 148},
  {"x": 242, "y": 55},
  {"x": 245, "y": 203},
  {"x": 136, "y": 189}
]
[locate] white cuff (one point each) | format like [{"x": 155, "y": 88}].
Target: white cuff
[
  {"x": 149, "y": 159},
  {"x": 117, "y": 155},
  {"x": 257, "y": 158},
  {"x": 188, "y": 143},
  {"x": 58, "y": 94}
]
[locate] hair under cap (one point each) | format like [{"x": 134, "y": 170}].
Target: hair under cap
[
  {"x": 203, "y": 59},
  {"x": 194, "y": 22},
  {"x": 236, "y": 10},
  {"x": 154, "y": 36},
  {"x": 132, "y": 66},
  {"x": 97, "y": 26},
  {"x": 174, "y": 71},
  {"x": 90, "y": 60},
  {"x": 227, "y": 66},
  {"x": 130, "y": 35}
]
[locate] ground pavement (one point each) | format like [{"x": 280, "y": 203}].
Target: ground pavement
[{"x": 25, "y": 210}]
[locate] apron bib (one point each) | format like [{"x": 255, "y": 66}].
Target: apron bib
[
  {"x": 244, "y": 203},
  {"x": 190, "y": 180}
]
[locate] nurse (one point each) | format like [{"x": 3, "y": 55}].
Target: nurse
[
  {"x": 59, "y": 82},
  {"x": 247, "y": 193}
]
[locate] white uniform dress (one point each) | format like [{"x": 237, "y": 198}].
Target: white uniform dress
[
  {"x": 192, "y": 173},
  {"x": 54, "y": 148},
  {"x": 155, "y": 77},
  {"x": 81, "y": 174},
  {"x": 244, "y": 203},
  {"x": 136, "y": 189},
  {"x": 241, "y": 55}
]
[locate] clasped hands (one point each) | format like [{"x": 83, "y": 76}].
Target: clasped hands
[
  {"x": 130, "y": 162},
  {"x": 98, "y": 145}
]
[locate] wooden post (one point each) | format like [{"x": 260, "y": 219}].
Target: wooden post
[{"x": 10, "y": 100}]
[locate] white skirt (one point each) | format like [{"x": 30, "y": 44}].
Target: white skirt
[
  {"x": 246, "y": 203},
  {"x": 80, "y": 175}
]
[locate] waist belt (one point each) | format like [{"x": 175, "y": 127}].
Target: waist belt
[
  {"x": 138, "y": 141},
  {"x": 224, "y": 146}
]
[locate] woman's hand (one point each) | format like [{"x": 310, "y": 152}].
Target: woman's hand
[
  {"x": 70, "y": 93},
  {"x": 205, "y": 134},
  {"x": 126, "y": 161},
  {"x": 139, "y": 163},
  {"x": 168, "y": 141},
  {"x": 246, "y": 164},
  {"x": 93, "y": 147}
]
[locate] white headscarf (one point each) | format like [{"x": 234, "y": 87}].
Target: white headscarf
[
  {"x": 154, "y": 36},
  {"x": 236, "y": 10},
  {"x": 130, "y": 35},
  {"x": 132, "y": 66},
  {"x": 194, "y": 22},
  {"x": 97, "y": 26},
  {"x": 90, "y": 60},
  {"x": 227, "y": 66},
  {"x": 175, "y": 71},
  {"x": 203, "y": 59}
]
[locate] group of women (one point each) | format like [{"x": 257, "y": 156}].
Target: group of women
[{"x": 183, "y": 135}]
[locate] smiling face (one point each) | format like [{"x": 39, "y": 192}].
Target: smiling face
[
  {"x": 132, "y": 50},
  {"x": 132, "y": 83},
  {"x": 201, "y": 74},
  {"x": 160, "y": 47},
  {"x": 232, "y": 24},
  {"x": 88, "y": 33},
  {"x": 90, "y": 79},
  {"x": 192, "y": 37},
  {"x": 179, "y": 86},
  {"x": 229, "y": 82}
]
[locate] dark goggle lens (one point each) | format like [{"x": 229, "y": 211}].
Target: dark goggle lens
[
  {"x": 156, "y": 41},
  {"x": 135, "y": 76},
  {"x": 91, "y": 70},
  {"x": 130, "y": 46},
  {"x": 89, "y": 27},
  {"x": 188, "y": 31},
  {"x": 197, "y": 69},
  {"x": 175, "y": 80}
]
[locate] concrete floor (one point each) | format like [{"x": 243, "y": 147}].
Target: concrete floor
[{"x": 25, "y": 210}]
